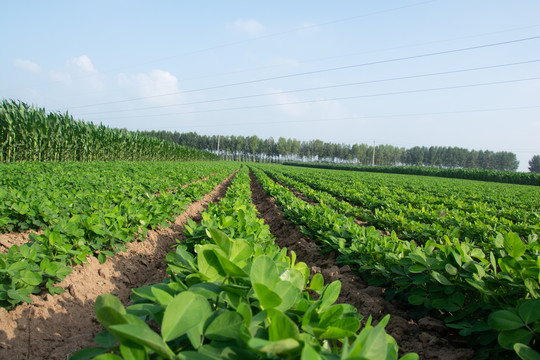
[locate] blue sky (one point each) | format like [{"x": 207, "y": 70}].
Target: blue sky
[{"x": 173, "y": 65}]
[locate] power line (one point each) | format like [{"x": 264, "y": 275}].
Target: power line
[
  {"x": 331, "y": 99},
  {"x": 316, "y": 88},
  {"x": 362, "y": 52},
  {"x": 361, "y": 117},
  {"x": 350, "y": 18},
  {"x": 315, "y": 71}
]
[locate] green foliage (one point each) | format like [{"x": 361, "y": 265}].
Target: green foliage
[
  {"x": 419, "y": 208},
  {"x": 86, "y": 210},
  {"x": 534, "y": 164},
  {"x": 510, "y": 177},
  {"x": 452, "y": 278},
  {"x": 518, "y": 328},
  {"x": 30, "y": 134},
  {"x": 259, "y": 308}
]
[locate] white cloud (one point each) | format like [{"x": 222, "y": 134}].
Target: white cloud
[
  {"x": 84, "y": 63},
  {"x": 155, "y": 82},
  {"x": 250, "y": 27},
  {"x": 28, "y": 66},
  {"x": 78, "y": 71}
]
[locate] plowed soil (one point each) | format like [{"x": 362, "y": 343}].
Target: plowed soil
[
  {"x": 7, "y": 240},
  {"x": 428, "y": 337},
  {"x": 54, "y": 327}
]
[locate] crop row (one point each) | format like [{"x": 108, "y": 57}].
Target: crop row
[
  {"x": 510, "y": 177},
  {"x": 475, "y": 291},
  {"x": 87, "y": 210},
  {"x": 419, "y": 208},
  {"x": 232, "y": 293},
  {"x": 32, "y": 134}
]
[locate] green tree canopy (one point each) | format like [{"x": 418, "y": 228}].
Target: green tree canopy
[{"x": 534, "y": 164}]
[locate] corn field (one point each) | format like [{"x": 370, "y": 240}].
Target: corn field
[{"x": 31, "y": 134}]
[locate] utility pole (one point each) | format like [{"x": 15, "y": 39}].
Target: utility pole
[
  {"x": 218, "y": 144},
  {"x": 373, "y": 161}
]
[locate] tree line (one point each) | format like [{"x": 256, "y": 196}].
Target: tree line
[{"x": 253, "y": 148}]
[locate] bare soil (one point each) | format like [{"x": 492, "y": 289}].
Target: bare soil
[
  {"x": 428, "y": 337},
  {"x": 7, "y": 240},
  {"x": 54, "y": 327}
]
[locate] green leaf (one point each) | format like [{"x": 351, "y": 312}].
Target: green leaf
[
  {"x": 499, "y": 241},
  {"x": 245, "y": 310},
  {"x": 333, "y": 332},
  {"x": 371, "y": 344},
  {"x": 205, "y": 289},
  {"x": 143, "y": 309},
  {"x": 316, "y": 284},
  {"x": 293, "y": 276},
  {"x": 241, "y": 250},
  {"x": 267, "y": 298},
  {"x": 504, "y": 320},
  {"x": 331, "y": 315},
  {"x": 131, "y": 350},
  {"x": 88, "y": 353},
  {"x": 525, "y": 352},
  {"x": 185, "y": 311},
  {"x": 288, "y": 293},
  {"x": 529, "y": 311},
  {"x": 225, "y": 327},
  {"x": 513, "y": 245},
  {"x": 281, "y": 326},
  {"x": 31, "y": 278},
  {"x": 440, "y": 278},
  {"x": 142, "y": 334},
  {"x": 162, "y": 297},
  {"x": 450, "y": 269},
  {"x": 195, "y": 334},
  {"x": 108, "y": 357},
  {"x": 18, "y": 296},
  {"x": 229, "y": 268},
  {"x": 209, "y": 265},
  {"x": 194, "y": 355},
  {"x": 309, "y": 353},
  {"x": 109, "y": 310},
  {"x": 507, "y": 339},
  {"x": 276, "y": 347},
  {"x": 182, "y": 256},
  {"x": 105, "y": 338},
  {"x": 17, "y": 266},
  {"x": 415, "y": 269},
  {"x": 410, "y": 356},
  {"x": 330, "y": 294},
  {"x": 221, "y": 239},
  {"x": 264, "y": 271},
  {"x": 416, "y": 299}
]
